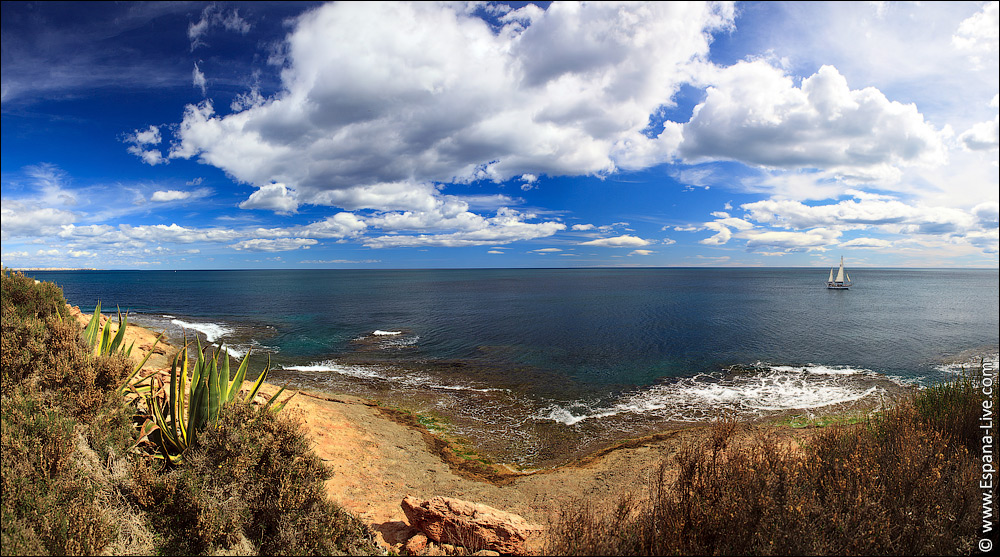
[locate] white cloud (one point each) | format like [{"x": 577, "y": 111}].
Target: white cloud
[
  {"x": 24, "y": 220},
  {"x": 755, "y": 114},
  {"x": 641, "y": 252},
  {"x": 446, "y": 99},
  {"x": 979, "y": 32},
  {"x": 272, "y": 245},
  {"x": 341, "y": 225},
  {"x": 140, "y": 140},
  {"x": 547, "y": 250},
  {"x": 984, "y": 136},
  {"x": 866, "y": 243},
  {"x": 198, "y": 79},
  {"x": 169, "y": 195},
  {"x": 583, "y": 227},
  {"x": 623, "y": 241},
  {"x": 783, "y": 239},
  {"x": 275, "y": 197},
  {"x": 211, "y": 16},
  {"x": 507, "y": 226}
]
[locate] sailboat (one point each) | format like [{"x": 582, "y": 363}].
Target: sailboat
[{"x": 843, "y": 280}]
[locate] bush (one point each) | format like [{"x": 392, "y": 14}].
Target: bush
[
  {"x": 903, "y": 482},
  {"x": 252, "y": 478},
  {"x": 251, "y": 483}
]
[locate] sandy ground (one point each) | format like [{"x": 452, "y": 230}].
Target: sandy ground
[{"x": 380, "y": 455}]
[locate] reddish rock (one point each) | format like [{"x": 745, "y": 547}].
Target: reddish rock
[
  {"x": 472, "y": 525},
  {"x": 416, "y": 544}
]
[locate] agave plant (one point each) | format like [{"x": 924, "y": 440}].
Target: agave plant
[
  {"x": 190, "y": 407},
  {"x": 115, "y": 345}
]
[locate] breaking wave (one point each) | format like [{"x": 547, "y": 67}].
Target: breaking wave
[{"x": 747, "y": 391}]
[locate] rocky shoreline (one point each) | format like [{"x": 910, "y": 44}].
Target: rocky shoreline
[{"x": 382, "y": 456}]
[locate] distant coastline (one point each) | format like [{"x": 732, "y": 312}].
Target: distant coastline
[{"x": 52, "y": 269}]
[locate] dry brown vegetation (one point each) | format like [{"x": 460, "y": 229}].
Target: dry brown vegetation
[
  {"x": 904, "y": 482},
  {"x": 72, "y": 482}
]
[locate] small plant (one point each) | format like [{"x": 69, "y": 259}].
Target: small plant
[
  {"x": 210, "y": 388},
  {"x": 115, "y": 345}
]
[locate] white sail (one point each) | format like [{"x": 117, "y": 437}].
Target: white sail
[
  {"x": 840, "y": 272},
  {"x": 848, "y": 275},
  {"x": 831, "y": 275}
]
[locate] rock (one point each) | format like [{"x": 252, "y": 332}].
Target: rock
[
  {"x": 472, "y": 525},
  {"x": 486, "y": 553},
  {"x": 416, "y": 544}
]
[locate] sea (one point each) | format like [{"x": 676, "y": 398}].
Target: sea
[{"x": 535, "y": 367}]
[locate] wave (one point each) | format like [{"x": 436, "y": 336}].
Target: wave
[
  {"x": 239, "y": 350},
  {"x": 707, "y": 396},
  {"x": 212, "y": 331},
  {"x": 968, "y": 364},
  {"x": 329, "y": 366},
  {"x": 397, "y": 376},
  {"x": 380, "y": 333}
]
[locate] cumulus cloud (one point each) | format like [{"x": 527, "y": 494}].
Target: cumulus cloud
[
  {"x": 272, "y": 245},
  {"x": 275, "y": 197},
  {"x": 581, "y": 227},
  {"x": 623, "y": 241},
  {"x": 169, "y": 195},
  {"x": 507, "y": 226},
  {"x": 984, "y": 136},
  {"x": 979, "y": 32},
  {"x": 877, "y": 243},
  {"x": 24, "y": 220},
  {"x": 755, "y": 114},
  {"x": 790, "y": 241},
  {"x": 641, "y": 252},
  {"x": 447, "y": 99},
  {"x": 795, "y": 226},
  {"x": 140, "y": 141}
]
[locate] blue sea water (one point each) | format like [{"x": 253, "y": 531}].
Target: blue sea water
[{"x": 515, "y": 356}]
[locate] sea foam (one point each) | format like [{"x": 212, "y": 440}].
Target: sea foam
[
  {"x": 708, "y": 396},
  {"x": 212, "y": 331}
]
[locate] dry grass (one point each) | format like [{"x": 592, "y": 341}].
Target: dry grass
[{"x": 902, "y": 482}]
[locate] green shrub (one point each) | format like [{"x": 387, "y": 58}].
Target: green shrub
[
  {"x": 49, "y": 503},
  {"x": 251, "y": 483},
  {"x": 251, "y": 478}
]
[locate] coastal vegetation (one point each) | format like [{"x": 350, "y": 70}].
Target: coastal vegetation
[
  {"x": 902, "y": 481},
  {"x": 76, "y": 480}
]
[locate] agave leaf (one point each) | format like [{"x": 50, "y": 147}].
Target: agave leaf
[
  {"x": 142, "y": 363},
  {"x": 277, "y": 407},
  {"x": 198, "y": 367},
  {"x": 260, "y": 381},
  {"x": 167, "y": 439},
  {"x": 120, "y": 336},
  {"x": 214, "y": 393},
  {"x": 105, "y": 338},
  {"x": 196, "y": 412},
  {"x": 148, "y": 427},
  {"x": 224, "y": 378},
  {"x": 241, "y": 374},
  {"x": 90, "y": 333}
]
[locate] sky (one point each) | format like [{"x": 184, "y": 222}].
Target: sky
[{"x": 196, "y": 135}]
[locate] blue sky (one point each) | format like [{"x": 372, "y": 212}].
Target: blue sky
[{"x": 379, "y": 135}]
